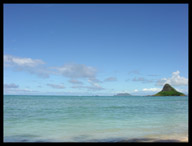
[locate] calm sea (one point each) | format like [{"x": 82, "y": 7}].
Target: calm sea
[{"x": 93, "y": 118}]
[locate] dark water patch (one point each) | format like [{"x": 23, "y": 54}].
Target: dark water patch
[{"x": 25, "y": 138}]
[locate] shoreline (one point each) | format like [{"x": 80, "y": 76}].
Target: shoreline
[{"x": 112, "y": 140}]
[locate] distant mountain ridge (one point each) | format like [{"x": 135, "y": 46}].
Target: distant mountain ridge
[
  {"x": 123, "y": 94},
  {"x": 168, "y": 91}
]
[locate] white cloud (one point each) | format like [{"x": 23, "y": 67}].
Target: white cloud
[
  {"x": 33, "y": 66},
  {"x": 174, "y": 80},
  {"x": 76, "y": 71},
  {"x": 23, "y": 62},
  {"x": 151, "y": 89},
  {"x": 56, "y": 86}
]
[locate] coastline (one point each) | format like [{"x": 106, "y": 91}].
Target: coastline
[{"x": 110, "y": 140}]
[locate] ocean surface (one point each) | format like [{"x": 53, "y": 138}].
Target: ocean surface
[{"x": 93, "y": 118}]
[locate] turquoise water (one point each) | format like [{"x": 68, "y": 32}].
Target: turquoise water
[{"x": 93, "y": 118}]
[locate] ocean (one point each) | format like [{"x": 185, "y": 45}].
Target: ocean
[{"x": 38, "y": 118}]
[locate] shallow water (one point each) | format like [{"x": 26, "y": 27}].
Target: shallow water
[{"x": 93, "y": 118}]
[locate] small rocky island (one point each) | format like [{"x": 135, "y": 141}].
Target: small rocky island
[
  {"x": 169, "y": 91},
  {"x": 123, "y": 94}
]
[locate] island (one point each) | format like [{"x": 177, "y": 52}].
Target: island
[
  {"x": 123, "y": 94},
  {"x": 168, "y": 91}
]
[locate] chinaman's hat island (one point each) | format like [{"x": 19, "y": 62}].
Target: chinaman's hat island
[{"x": 168, "y": 91}]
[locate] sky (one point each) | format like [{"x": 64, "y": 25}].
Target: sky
[{"x": 94, "y": 49}]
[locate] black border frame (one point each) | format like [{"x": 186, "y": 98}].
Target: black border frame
[{"x": 130, "y": 2}]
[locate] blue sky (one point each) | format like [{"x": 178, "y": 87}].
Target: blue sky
[{"x": 95, "y": 49}]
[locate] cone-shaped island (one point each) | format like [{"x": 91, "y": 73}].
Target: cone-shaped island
[{"x": 169, "y": 91}]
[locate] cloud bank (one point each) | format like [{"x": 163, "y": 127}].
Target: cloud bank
[
  {"x": 174, "y": 80},
  {"x": 37, "y": 67},
  {"x": 72, "y": 71}
]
